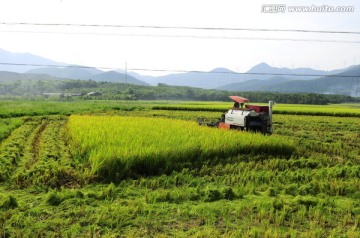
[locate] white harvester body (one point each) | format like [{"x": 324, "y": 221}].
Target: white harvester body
[
  {"x": 245, "y": 117},
  {"x": 238, "y": 117}
]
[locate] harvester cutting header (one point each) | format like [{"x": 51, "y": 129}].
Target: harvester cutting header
[{"x": 245, "y": 117}]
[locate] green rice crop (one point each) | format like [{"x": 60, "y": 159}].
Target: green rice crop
[
  {"x": 340, "y": 110},
  {"x": 8, "y": 125},
  {"x": 46, "y": 192},
  {"x": 20, "y": 108},
  {"x": 118, "y": 147},
  {"x": 344, "y": 110}
]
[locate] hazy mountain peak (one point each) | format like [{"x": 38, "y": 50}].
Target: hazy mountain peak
[
  {"x": 259, "y": 68},
  {"x": 221, "y": 70},
  {"x": 22, "y": 61}
]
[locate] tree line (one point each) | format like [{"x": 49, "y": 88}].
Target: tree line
[{"x": 121, "y": 91}]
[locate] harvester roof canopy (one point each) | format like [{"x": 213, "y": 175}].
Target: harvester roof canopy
[{"x": 239, "y": 99}]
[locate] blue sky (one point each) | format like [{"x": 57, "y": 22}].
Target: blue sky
[{"x": 182, "y": 49}]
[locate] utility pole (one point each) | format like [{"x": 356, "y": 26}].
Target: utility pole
[{"x": 125, "y": 72}]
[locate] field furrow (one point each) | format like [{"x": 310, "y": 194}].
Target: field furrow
[{"x": 35, "y": 144}]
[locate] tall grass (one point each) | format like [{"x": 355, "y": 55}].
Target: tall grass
[{"x": 118, "y": 147}]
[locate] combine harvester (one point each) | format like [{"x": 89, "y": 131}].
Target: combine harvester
[{"x": 245, "y": 117}]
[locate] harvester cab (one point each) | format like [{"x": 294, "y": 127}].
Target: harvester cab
[{"x": 243, "y": 116}]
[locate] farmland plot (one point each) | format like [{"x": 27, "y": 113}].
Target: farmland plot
[
  {"x": 53, "y": 171},
  {"x": 120, "y": 147}
]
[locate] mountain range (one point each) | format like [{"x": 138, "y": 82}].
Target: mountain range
[
  {"x": 22, "y": 62},
  {"x": 261, "y": 77},
  {"x": 85, "y": 73},
  {"x": 222, "y": 78}
]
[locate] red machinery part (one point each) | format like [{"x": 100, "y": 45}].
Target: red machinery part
[
  {"x": 239, "y": 99},
  {"x": 223, "y": 125},
  {"x": 258, "y": 109}
]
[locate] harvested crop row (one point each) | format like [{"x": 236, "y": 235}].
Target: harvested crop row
[
  {"x": 53, "y": 166},
  {"x": 337, "y": 137},
  {"x": 14, "y": 147},
  {"x": 119, "y": 147}
]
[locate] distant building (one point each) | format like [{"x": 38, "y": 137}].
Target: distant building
[
  {"x": 73, "y": 94},
  {"x": 53, "y": 94},
  {"x": 95, "y": 94},
  {"x": 61, "y": 95}
]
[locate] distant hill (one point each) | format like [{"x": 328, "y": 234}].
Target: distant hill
[
  {"x": 264, "y": 68},
  {"x": 208, "y": 80},
  {"x": 151, "y": 80},
  {"x": 69, "y": 72},
  {"x": 111, "y": 76},
  {"x": 116, "y": 77},
  {"x": 332, "y": 84},
  {"x": 23, "y": 59},
  {"x": 255, "y": 84},
  {"x": 25, "y": 84},
  {"x": 55, "y": 70},
  {"x": 22, "y": 84},
  {"x": 83, "y": 73},
  {"x": 221, "y": 77},
  {"x": 10, "y": 77},
  {"x": 261, "y": 77}
]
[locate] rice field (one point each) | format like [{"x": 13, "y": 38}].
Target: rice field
[
  {"x": 20, "y": 108},
  {"x": 113, "y": 170},
  {"x": 119, "y": 147},
  {"x": 341, "y": 110}
]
